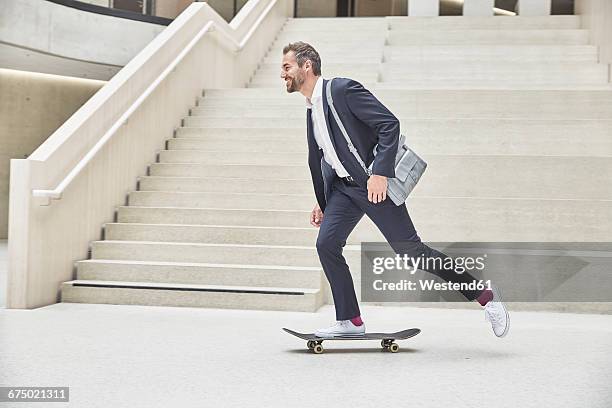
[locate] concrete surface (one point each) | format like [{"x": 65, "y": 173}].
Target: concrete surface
[{"x": 142, "y": 356}]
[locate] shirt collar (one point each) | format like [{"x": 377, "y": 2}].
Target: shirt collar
[{"x": 317, "y": 93}]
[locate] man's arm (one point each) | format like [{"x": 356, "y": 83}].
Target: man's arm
[{"x": 373, "y": 113}]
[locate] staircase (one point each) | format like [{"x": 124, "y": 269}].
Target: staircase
[{"x": 513, "y": 114}]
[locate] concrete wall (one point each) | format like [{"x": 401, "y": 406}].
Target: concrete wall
[
  {"x": 61, "y": 31},
  {"x": 597, "y": 17},
  {"x": 32, "y": 107}
]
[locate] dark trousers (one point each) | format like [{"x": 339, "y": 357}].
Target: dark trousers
[{"x": 346, "y": 205}]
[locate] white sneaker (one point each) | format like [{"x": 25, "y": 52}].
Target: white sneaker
[
  {"x": 496, "y": 314},
  {"x": 342, "y": 328}
]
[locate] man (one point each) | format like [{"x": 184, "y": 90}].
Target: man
[{"x": 344, "y": 192}]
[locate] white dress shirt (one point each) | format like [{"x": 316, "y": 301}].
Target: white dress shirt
[{"x": 319, "y": 128}]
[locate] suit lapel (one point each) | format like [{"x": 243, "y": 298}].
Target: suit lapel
[{"x": 312, "y": 143}]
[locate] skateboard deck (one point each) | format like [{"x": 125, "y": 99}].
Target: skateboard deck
[{"x": 314, "y": 343}]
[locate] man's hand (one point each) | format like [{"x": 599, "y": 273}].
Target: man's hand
[
  {"x": 316, "y": 216},
  {"x": 377, "y": 188}
]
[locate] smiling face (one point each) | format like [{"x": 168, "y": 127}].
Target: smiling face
[{"x": 293, "y": 75}]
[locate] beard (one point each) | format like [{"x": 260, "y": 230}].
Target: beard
[{"x": 295, "y": 83}]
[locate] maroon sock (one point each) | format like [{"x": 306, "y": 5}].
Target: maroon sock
[
  {"x": 357, "y": 321},
  {"x": 485, "y": 297}
]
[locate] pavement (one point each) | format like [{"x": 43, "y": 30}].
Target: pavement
[
  {"x": 144, "y": 356},
  {"x": 141, "y": 356}
]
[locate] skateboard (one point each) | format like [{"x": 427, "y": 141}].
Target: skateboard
[{"x": 387, "y": 340}]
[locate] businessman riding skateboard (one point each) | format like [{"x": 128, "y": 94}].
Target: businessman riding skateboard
[{"x": 344, "y": 192}]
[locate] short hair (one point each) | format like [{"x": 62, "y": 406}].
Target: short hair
[{"x": 304, "y": 51}]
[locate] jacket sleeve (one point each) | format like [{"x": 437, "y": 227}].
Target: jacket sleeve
[
  {"x": 314, "y": 163},
  {"x": 373, "y": 113}
]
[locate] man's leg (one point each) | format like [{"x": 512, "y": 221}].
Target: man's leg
[
  {"x": 339, "y": 219},
  {"x": 397, "y": 227}
]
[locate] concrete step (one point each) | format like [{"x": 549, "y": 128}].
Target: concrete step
[
  {"x": 215, "y": 200},
  {"x": 370, "y": 44},
  {"x": 337, "y": 49},
  {"x": 250, "y": 93},
  {"x": 230, "y": 133},
  {"x": 591, "y": 74},
  {"x": 490, "y": 53},
  {"x": 460, "y": 218},
  {"x": 408, "y": 104},
  {"x": 211, "y": 216},
  {"x": 210, "y": 157},
  {"x": 217, "y": 98},
  {"x": 200, "y": 273},
  {"x": 333, "y": 55},
  {"x": 293, "y": 142},
  {"x": 450, "y": 85},
  {"x": 205, "y": 253},
  {"x": 211, "y": 234},
  {"x": 381, "y": 90},
  {"x": 334, "y": 23},
  {"x": 332, "y": 69},
  {"x": 512, "y": 212},
  {"x": 478, "y": 37},
  {"x": 368, "y": 81},
  {"x": 502, "y": 219},
  {"x": 274, "y": 79},
  {"x": 227, "y": 170},
  {"x": 570, "y": 137},
  {"x": 546, "y": 177},
  {"x": 191, "y": 295},
  {"x": 493, "y": 68},
  {"x": 245, "y": 184},
  {"x": 411, "y": 109},
  {"x": 321, "y": 39},
  {"x": 554, "y": 22},
  {"x": 273, "y": 89},
  {"x": 245, "y": 123}
]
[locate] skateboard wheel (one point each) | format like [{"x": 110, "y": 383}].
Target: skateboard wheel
[
  {"x": 318, "y": 349},
  {"x": 393, "y": 347},
  {"x": 385, "y": 343},
  {"x": 311, "y": 344}
]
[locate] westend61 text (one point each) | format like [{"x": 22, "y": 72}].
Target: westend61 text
[{"x": 424, "y": 284}]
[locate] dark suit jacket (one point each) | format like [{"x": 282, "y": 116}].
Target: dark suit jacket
[{"x": 368, "y": 122}]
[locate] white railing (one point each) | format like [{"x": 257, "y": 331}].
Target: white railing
[
  {"x": 93, "y": 160},
  {"x": 56, "y": 193}
]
